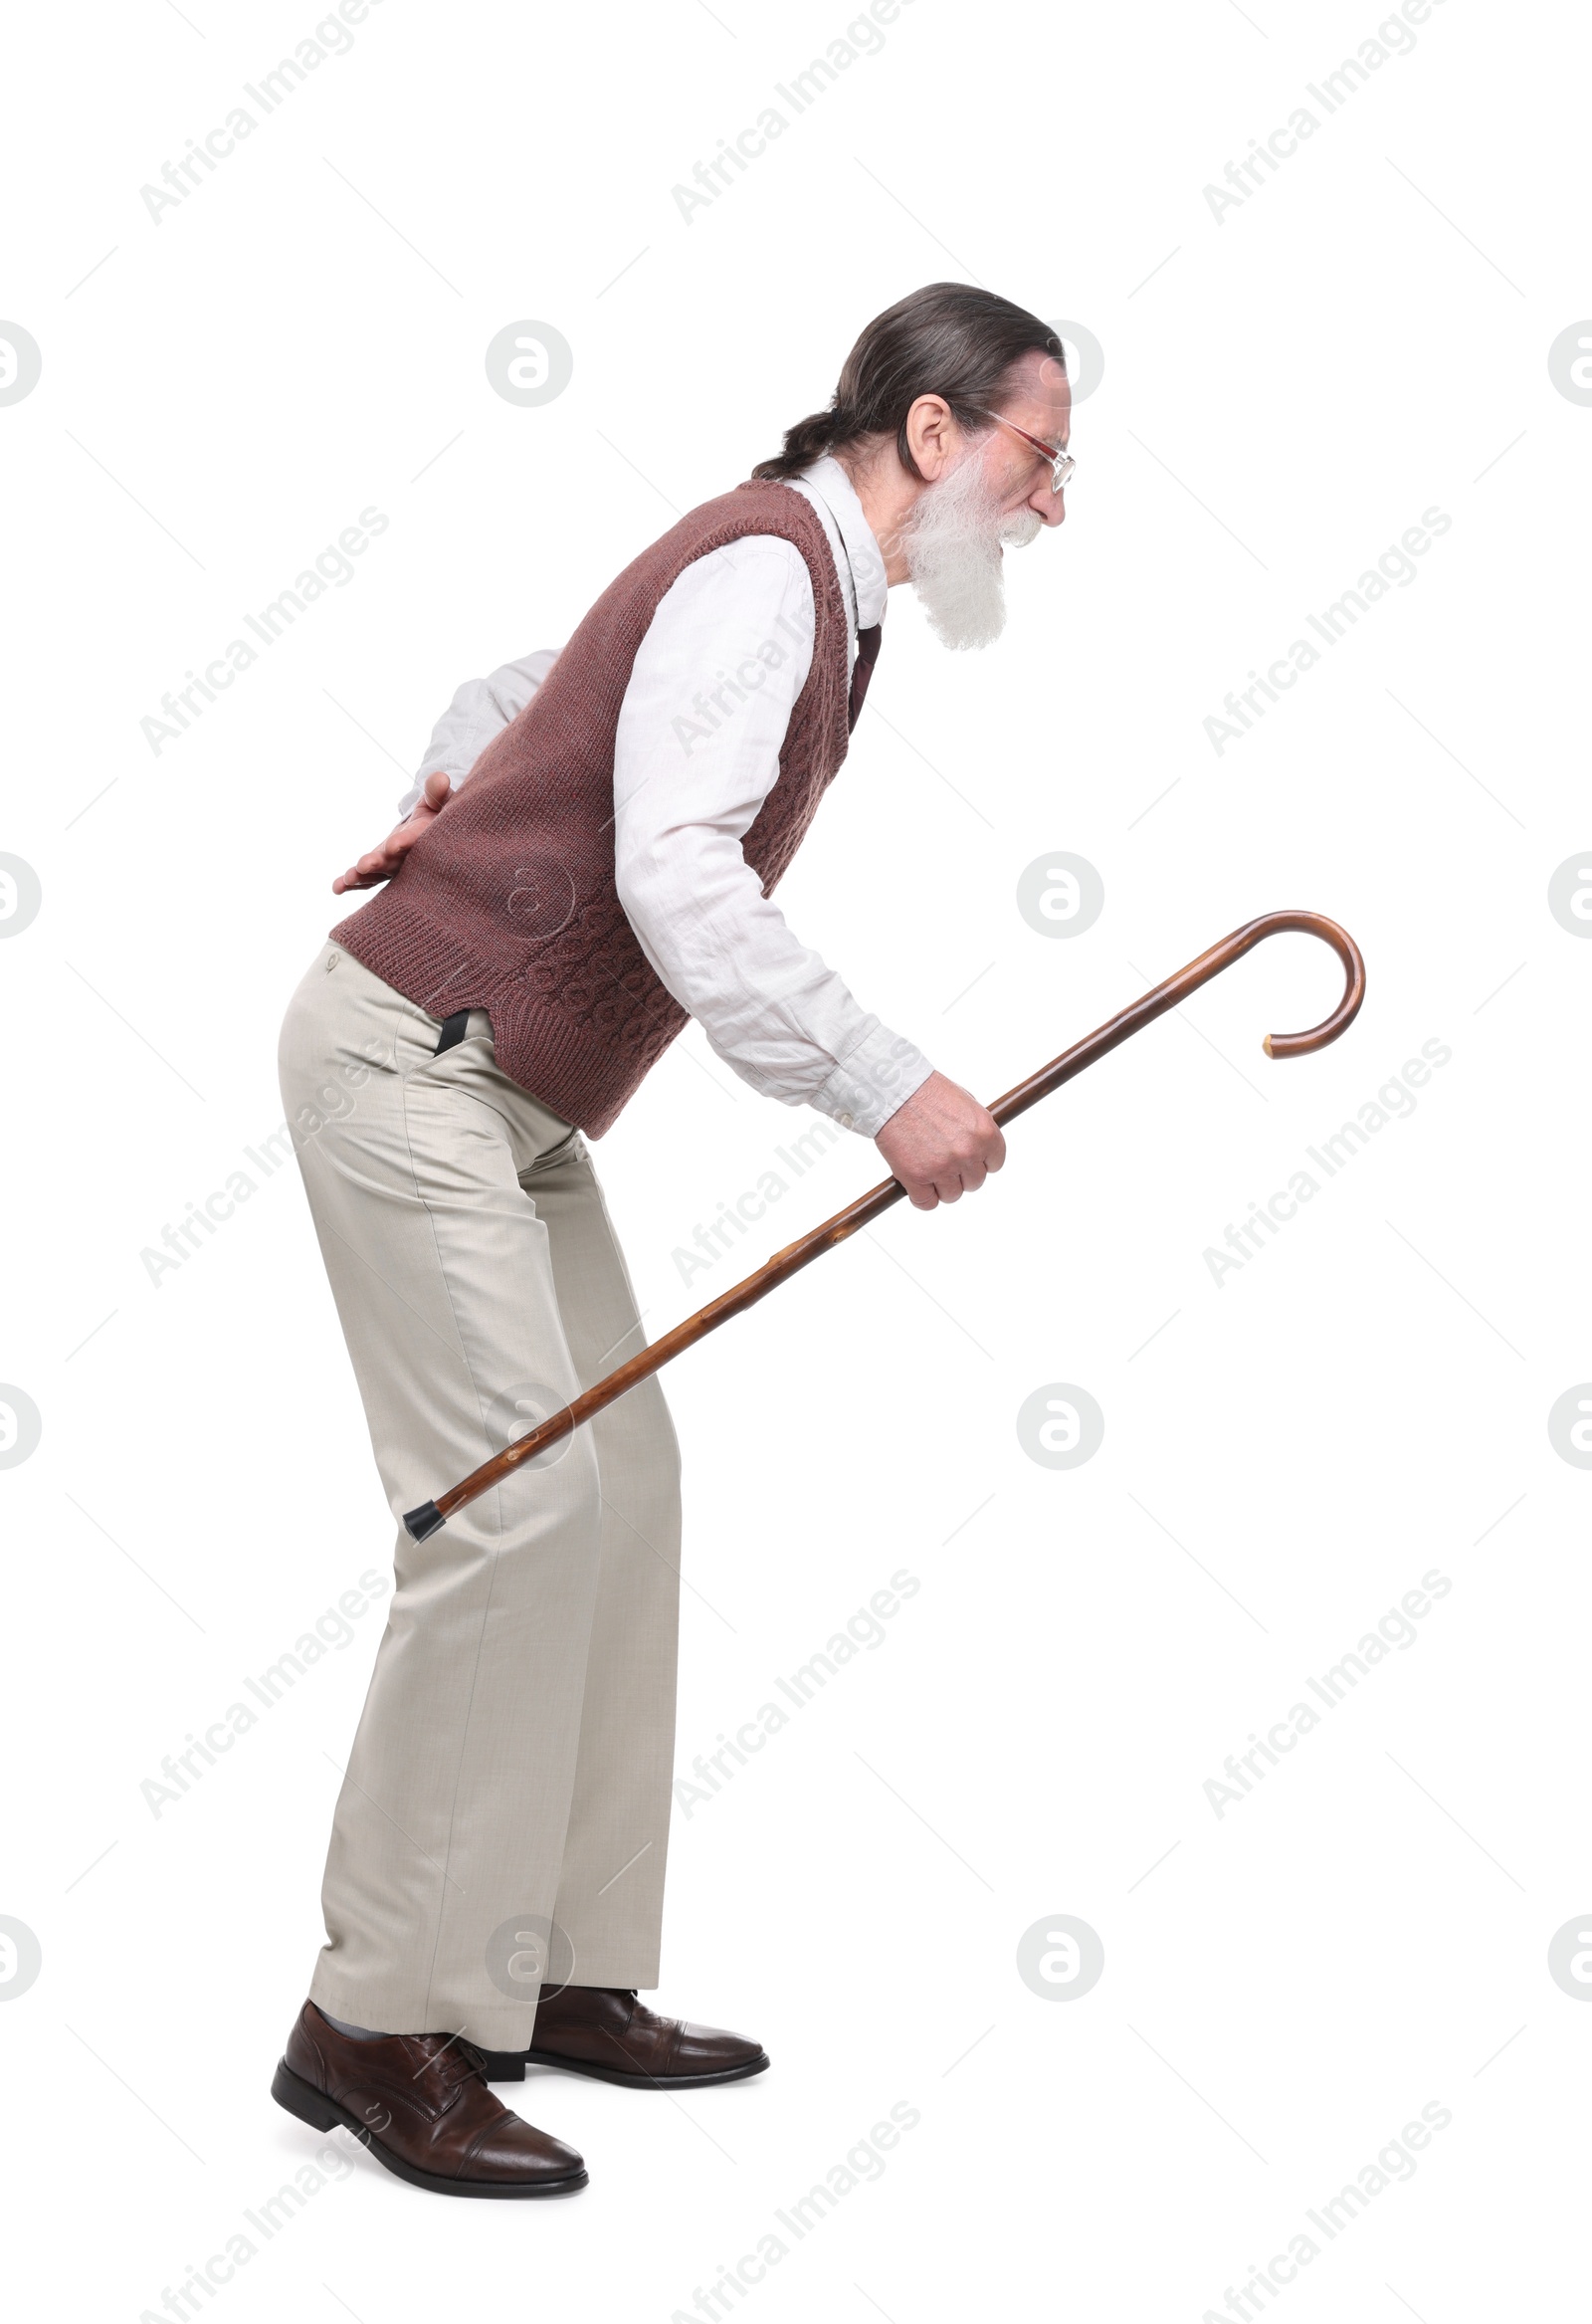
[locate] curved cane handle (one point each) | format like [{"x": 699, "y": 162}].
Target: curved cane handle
[
  {"x": 1348, "y": 951},
  {"x": 1161, "y": 998}
]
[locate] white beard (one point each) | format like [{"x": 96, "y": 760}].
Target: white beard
[{"x": 953, "y": 542}]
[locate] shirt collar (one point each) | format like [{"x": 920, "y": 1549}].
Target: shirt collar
[{"x": 828, "y": 481}]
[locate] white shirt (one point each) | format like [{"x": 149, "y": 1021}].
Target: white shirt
[{"x": 695, "y": 753}]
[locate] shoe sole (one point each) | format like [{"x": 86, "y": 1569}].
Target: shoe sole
[
  {"x": 508, "y": 2065},
  {"x": 313, "y": 2106}
]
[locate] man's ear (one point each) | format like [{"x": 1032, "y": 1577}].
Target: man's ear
[{"x": 930, "y": 433}]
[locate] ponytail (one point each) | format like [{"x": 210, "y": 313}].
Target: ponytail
[{"x": 806, "y": 442}]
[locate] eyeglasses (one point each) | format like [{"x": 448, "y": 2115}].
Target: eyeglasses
[{"x": 1062, "y": 464}]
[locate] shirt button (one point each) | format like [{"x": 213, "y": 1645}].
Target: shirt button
[
  {"x": 846, "y": 1121},
  {"x": 331, "y": 961}
]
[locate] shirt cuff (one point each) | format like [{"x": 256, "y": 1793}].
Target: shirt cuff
[{"x": 872, "y": 1082}]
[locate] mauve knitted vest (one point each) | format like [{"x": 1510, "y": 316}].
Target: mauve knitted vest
[{"x": 509, "y": 902}]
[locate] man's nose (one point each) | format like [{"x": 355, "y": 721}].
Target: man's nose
[{"x": 1049, "y": 507}]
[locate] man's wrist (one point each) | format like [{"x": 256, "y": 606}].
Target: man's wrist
[{"x": 873, "y": 1082}]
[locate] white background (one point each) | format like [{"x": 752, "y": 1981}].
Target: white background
[{"x": 1286, "y": 391}]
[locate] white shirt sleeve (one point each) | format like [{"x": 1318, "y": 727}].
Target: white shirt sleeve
[
  {"x": 478, "y": 714},
  {"x": 695, "y": 754}
]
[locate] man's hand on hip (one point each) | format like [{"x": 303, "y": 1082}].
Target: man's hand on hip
[
  {"x": 383, "y": 861},
  {"x": 941, "y": 1144}
]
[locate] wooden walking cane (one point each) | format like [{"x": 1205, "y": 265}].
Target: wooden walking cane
[{"x": 432, "y": 1514}]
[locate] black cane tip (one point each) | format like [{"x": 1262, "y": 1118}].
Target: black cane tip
[{"x": 421, "y": 1523}]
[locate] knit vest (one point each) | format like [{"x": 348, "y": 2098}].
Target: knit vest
[{"x": 508, "y": 904}]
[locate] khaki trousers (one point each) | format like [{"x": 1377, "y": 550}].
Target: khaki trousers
[{"x": 504, "y": 1816}]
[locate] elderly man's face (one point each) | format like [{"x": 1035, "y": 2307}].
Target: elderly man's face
[
  {"x": 1040, "y": 401},
  {"x": 995, "y": 494}
]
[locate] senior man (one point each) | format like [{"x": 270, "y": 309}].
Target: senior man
[{"x": 588, "y": 861}]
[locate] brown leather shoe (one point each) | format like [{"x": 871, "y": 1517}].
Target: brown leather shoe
[
  {"x": 606, "y": 2031},
  {"x": 420, "y": 2103}
]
